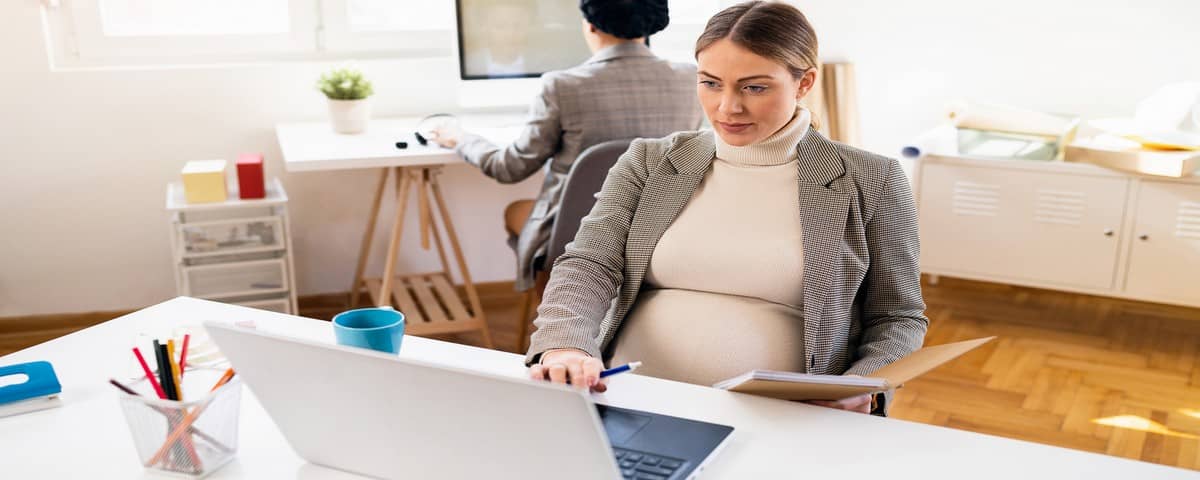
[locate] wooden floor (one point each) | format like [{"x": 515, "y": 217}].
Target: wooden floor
[
  {"x": 1077, "y": 371},
  {"x": 17, "y": 333},
  {"x": 1082, "y": 372}
]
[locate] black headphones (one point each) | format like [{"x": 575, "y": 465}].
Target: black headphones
[{"x": 427, "y": 125}]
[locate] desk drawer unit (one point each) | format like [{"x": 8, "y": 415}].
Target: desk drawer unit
[
  {"x": 280, "y": 304},
  {"x": 203, "y": 239},
  {"x": 222, "y": 281}
]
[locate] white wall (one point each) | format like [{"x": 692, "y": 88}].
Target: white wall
[
  {"x": 84, "y": 156},
  {"x": 1094, "y": 58}
]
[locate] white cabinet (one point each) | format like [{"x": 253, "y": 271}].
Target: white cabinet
[
  {"x": 1022, "y": 225},
  {"x": 236, "y": 251},
  {"x": 1164, "y": 259},
  {"x": 1060, "y": 225}
]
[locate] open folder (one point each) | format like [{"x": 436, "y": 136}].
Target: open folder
[{"x": 802, "y": 386}]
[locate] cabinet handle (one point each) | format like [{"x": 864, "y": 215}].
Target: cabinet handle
[
  {"x": 1108, "y": 232},
  {"x": 1143, "y": 237}
]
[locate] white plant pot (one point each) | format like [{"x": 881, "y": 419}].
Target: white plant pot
[{"x": 349, "y": 116}]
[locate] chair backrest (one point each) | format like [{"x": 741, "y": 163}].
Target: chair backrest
[{"x": 579, "y": 194}]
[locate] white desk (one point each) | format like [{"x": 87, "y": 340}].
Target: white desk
[
  {"x": 87, "y": 437},
  {"x": 314, "y": 146}
]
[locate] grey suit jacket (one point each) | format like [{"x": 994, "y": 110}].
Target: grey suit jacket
[
  {"x": 623, "y": 91},
  {"x": 862, "y": 292}
]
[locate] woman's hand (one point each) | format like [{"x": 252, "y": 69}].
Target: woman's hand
[
  {"x": 570, "y": 366},
  {"x": 860, "y": 403},
  {"x": 444, "y": 137}
]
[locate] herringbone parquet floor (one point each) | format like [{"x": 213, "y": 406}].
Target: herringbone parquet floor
[{"x": 1082, "y": 372}]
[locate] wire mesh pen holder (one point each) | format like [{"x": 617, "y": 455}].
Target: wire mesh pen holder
[{"x": 192, "y": 438}]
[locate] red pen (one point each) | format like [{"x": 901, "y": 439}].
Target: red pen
[
  {"x": 183, "y": 356},
  {"x": 158, "y": 389}
]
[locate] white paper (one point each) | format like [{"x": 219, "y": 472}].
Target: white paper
[
  {"x": 778, "y": 376},
  {"x": 941, "y": 140}
]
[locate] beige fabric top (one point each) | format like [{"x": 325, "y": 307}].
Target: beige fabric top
[{"x": 724, "y": 287}]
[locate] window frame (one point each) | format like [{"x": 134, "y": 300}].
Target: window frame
[
  {"x": 319, "y": 30},
  {"x": 336, "y": 35}
]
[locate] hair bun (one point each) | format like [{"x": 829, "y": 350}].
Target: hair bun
[{"x": 626, "y": 18}]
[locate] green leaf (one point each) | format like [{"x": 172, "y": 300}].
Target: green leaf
[{"x": 345, "y": 83}]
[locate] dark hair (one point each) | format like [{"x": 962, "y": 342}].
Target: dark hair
[
  {"x": 626, "y": 19},
  {"x": 777, "y": 31}
]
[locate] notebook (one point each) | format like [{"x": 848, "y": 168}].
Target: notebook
[{"x": 802, "y": 386}]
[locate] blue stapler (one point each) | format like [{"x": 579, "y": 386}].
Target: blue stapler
[{"x": 27, "y": 387}]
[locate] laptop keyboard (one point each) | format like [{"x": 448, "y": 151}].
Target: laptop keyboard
[{"x": 637, "y": 465}]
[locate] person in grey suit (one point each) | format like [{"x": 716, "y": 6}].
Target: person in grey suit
[
  {"x": 762, "y": 245},
  {"x": 622, "y": 91}
]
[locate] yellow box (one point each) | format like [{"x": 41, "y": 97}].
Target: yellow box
[{"x": 204, "y": 181}]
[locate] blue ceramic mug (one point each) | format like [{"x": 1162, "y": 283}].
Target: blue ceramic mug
[{"x": 376, "y": 328}]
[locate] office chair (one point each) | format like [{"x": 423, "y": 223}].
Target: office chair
[{"x": 579, "y": 195}]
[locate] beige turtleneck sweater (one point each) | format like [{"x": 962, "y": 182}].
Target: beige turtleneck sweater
[{"x": 724, "y": 287}]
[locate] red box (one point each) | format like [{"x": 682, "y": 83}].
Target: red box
[{"x": 250, "y": 176}]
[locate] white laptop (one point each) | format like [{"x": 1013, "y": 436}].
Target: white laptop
[{"x": 383, "y": 416}]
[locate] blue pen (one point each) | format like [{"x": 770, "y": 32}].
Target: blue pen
[{"x": 628, "y": 367}]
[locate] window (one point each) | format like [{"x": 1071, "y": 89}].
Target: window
[
  {"x": 107, "y": 33},
  {"x": 411, "y": 27},
  {"x": 390, "y": 15},
  {"x": 85, "y": 33},
  {"x": 688, "y": 17},
  {"x": 139, "y": 18}
]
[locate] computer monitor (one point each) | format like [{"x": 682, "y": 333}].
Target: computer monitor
[{"x": 518, "y": 38}]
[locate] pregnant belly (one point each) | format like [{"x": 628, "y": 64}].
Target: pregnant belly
[{"x": 703, "y": 338}]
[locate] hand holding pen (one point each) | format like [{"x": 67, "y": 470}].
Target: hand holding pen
[
  {"x": 628, "y": 367},
  {"x": 575, "y": 367}
]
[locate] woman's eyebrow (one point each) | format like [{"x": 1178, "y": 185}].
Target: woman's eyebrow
[{"x": 743, "y": 79}]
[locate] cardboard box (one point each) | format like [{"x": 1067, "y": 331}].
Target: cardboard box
[
  {"x": 250, "y": 176},
  {"x": 1164, "y": 163},
  {"x": 204, "y": 181}
]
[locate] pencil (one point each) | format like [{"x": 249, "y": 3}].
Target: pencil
[
  {"x": 158, "y": 389},
  {"x": 123, "y": 388},
  {"x": 165, "y": 376},
  {"x": 187, "y": 421},
  {"x": 175, "y": 376},
  {"x": 183, "y": 356},
  {"x": 225, "y": 378},
  {"x": 164, "y": 370}
]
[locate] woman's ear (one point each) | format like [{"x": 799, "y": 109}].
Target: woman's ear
[{"x": 806, "y": 83}]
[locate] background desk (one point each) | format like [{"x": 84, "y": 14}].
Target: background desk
[
  {"x": 315, "y": 146},
  {"x": 87, "y": 437}
]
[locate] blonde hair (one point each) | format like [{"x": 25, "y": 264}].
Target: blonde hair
[
  {"x": 772, "y": 30},
  {"x": 777, "y": 31}
]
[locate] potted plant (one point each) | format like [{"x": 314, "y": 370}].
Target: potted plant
[{"x": 347, "y": 92}]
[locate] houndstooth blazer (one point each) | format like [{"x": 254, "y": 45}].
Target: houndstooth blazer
[
  {"x": 862, "y": 291},
  {"x": 623, "y": 91}
]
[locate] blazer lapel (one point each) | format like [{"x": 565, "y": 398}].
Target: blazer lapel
[
  {"x": 667, "y": 190},
  {"x": 824, "y": 208}
]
